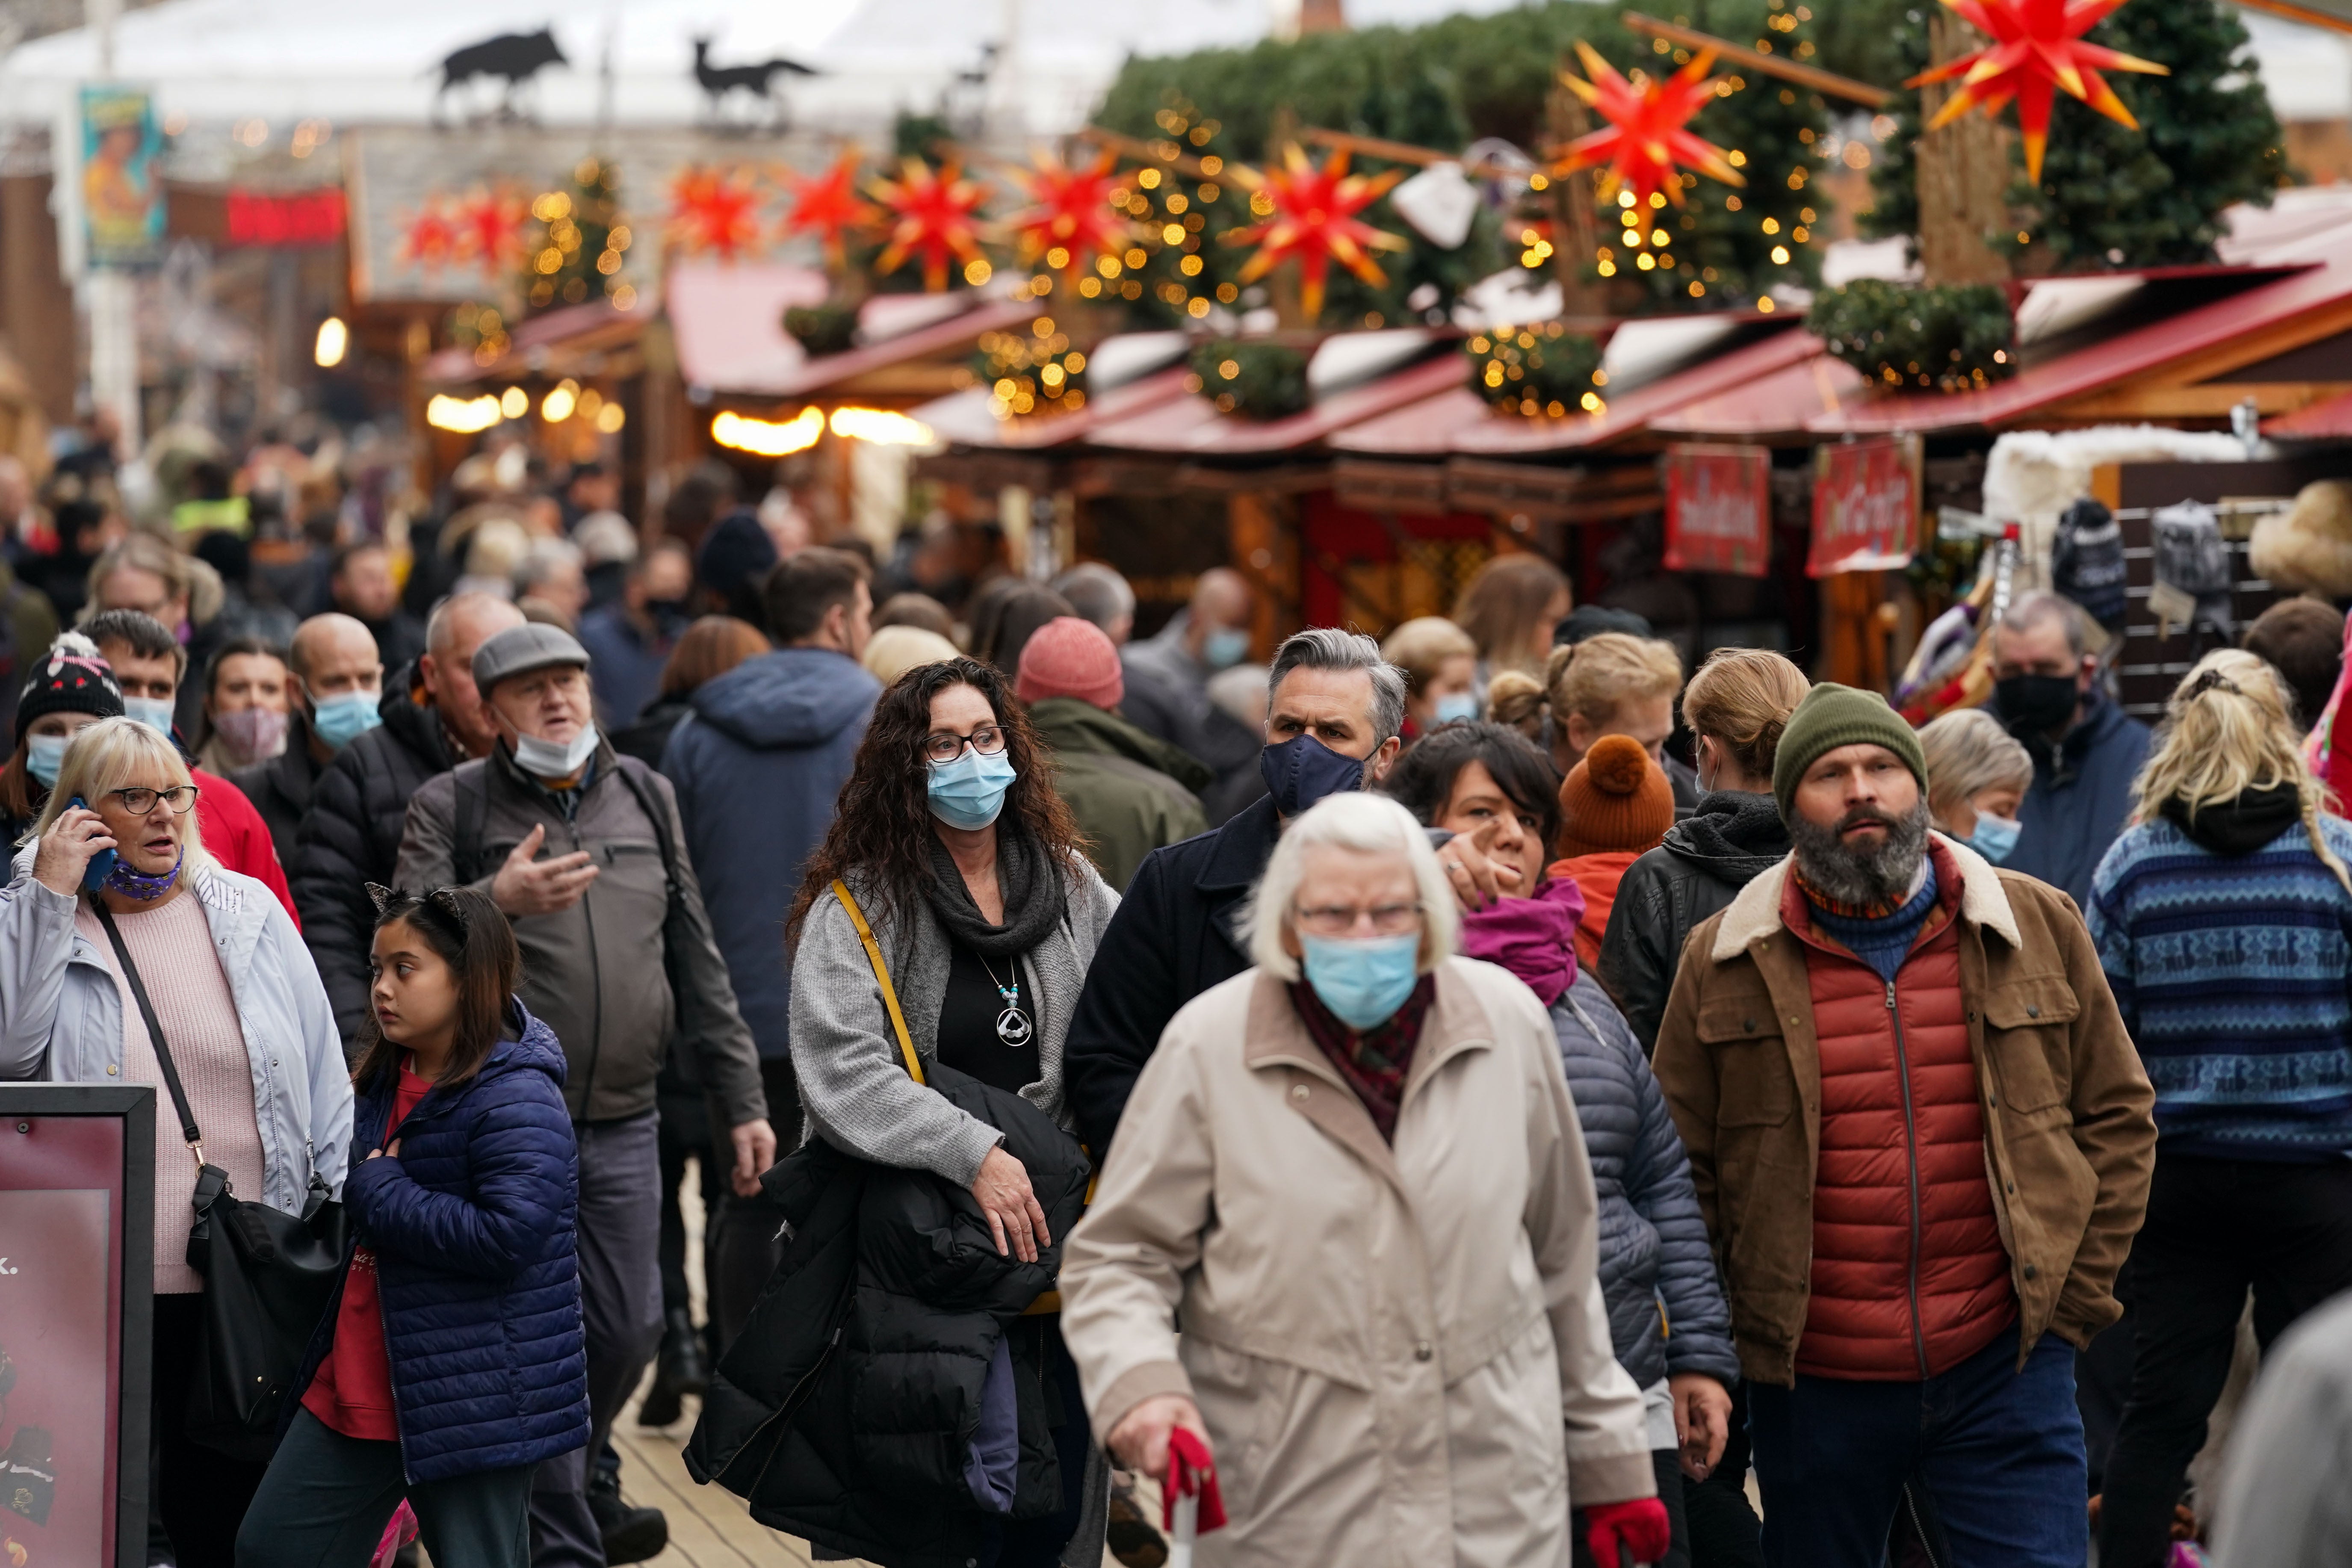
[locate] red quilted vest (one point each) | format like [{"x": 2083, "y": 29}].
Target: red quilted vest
[{"x": 1909, "y": 1276}]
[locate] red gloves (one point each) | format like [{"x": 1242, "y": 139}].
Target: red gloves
[
  {"x": 1639, "y": 1526},
  {"x": 1190, "y": 1474}
]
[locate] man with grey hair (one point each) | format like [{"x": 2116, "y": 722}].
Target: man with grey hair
[
  {"x": 2086, "y": 750},
  {"x": 1099, "y": 594},
  {"x": 1332, "y": 723}
]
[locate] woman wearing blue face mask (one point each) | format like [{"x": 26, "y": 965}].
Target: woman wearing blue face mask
[
  {"x": 964, "y": 865},
  {"x": 70, "y": 688},
  {"x": 1441, "y": 673},
  {"x": 1355, "y": 1175},
  {"x": 1977, "y": 775}
]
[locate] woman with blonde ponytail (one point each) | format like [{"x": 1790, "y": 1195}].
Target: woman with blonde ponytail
[
  {"x": 2223, "y": 920},
  {"x": 1611, "y": 683}
]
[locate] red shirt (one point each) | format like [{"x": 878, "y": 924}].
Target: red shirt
[
  {"x": 238, "y": 837},
  {"x": 352, "y": 1391}
]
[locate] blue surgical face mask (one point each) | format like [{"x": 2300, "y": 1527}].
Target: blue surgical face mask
[
  {"x": 152, "y": 711},
  {"x": 1363, "y": 979},
  {"x": 43, "y": 755},
  {"x": 1303, "y": 770},
  {"x": 1457, "y": 705},
  {"x": 339, "y": 721},
  {"x": 969, "y": 792},
  {"x": 1226, "y": 647},
  {"x": 1995, "y": 837}
]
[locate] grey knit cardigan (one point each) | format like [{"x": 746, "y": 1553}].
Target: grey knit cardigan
[{"x": 853, "y": 1081}]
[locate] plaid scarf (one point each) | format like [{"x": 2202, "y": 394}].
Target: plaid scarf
[
  {"x": 1376, "y": 1062},
  {"x": 1878, "y": 911}
]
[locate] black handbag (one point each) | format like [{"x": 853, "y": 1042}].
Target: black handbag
[{"x": 268, "y": 1277}]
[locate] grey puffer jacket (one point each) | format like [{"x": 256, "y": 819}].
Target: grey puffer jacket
[
  {"x": 1666, "y": 1309},
  {"x": 853, "y": 1081}
]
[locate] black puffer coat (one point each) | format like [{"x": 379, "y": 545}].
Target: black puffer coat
[
  {"x": 1704, "y": 862},
  {"x": 352, "y": 837},
  {"x": 845, "y": 1412}
]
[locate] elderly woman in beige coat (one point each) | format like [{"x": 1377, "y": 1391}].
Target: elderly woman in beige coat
[{"x": 1355, "y": 1174}]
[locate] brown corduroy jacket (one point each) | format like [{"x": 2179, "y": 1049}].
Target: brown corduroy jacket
[{"x": 2069, "y": 1131}]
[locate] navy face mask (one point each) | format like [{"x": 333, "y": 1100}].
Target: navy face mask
[{"x": 1303, "y": 770}]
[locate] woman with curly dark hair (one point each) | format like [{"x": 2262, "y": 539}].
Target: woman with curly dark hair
[{"x": 965, "y": 866}]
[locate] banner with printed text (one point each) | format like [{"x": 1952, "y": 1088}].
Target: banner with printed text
[
  {"x": 1720, "y": 509},
  {"x": 1866, "y": 505}
]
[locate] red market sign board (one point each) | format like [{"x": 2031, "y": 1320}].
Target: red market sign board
[
  {"x": 275, "y": 219},
  {"x": 1720, "y": 509},
  {"x": 1866, "y": 505}
]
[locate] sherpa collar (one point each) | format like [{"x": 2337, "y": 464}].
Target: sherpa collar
[{"x": 1756, "y": 912}]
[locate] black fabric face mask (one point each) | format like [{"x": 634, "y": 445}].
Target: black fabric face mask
[
  {"x": 1303, "y": 770},
  {"x": 2034, "y": 705}
]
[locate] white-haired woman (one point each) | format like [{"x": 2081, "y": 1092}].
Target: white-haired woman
[
  {"x": 1356, "y": 1172},
  {"x": 244, "y": 1016},
  {"x": 2223, "y": 920},
  {"x": 1977, "y": 774}
]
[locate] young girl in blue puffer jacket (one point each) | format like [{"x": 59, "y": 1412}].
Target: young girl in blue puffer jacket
[{"x": 451, "y": 1362}]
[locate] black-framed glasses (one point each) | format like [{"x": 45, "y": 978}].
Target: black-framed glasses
[
  {"x": 181, "y": 798},
  {"x": 945, "y": 745}
]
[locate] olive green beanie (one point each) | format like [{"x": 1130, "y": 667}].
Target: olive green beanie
[{"x": 1832, "y": 716}]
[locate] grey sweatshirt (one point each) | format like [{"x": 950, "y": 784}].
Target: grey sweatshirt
[{"x": 851, "y": 1078}]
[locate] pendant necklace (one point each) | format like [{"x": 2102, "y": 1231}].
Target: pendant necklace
[{"x": 1012, "y": 1024}]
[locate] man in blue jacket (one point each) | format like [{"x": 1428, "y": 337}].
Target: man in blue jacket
[
  {"x": 756, "y": 764},
  {"x": 2086, "y": 751}
]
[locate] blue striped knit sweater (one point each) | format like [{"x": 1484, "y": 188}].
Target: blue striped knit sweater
[{"x": 2234, "y": 975}]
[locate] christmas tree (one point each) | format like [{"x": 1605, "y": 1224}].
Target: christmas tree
[
  {"x": 579, "y": 251},
  {"x": 2111, "y": 196}
]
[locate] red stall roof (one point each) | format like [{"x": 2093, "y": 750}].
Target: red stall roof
[
  {"x": 1191, "y": 425},
  {"x": 963, "y": 419},
  {"x": 729, "y": 324}
]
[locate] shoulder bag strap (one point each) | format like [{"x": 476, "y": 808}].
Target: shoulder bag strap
[
  {"x": 466, "y": 845},
  {"x": 881, "y": 973},
  {"x": 188, "y": 1129}
]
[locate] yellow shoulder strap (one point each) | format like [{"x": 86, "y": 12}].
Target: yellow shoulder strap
[{"x": 881, "y": 973}]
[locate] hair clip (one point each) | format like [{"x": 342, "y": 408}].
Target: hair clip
[
  {"x": 380, "y": 894},
  {"x": 2210, "y": 680}
]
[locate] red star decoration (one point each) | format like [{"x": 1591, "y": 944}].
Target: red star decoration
[
  {"x": 1310, "y": 212},
  {"x": 2037, "y": 47},
  {"x": 1072, "y": 214},
  {"x": 827, "y": 206},
  {"x": 1646, "y": 142},
  {"x": 714, "y": 211},
  {"x": 933, "y": 215},
  {"x": 490, "y": 230},
  {"x": 431, "y": 238}
]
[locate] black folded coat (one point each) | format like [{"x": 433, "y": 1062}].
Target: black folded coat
[{"x": 845, "y": 1412}]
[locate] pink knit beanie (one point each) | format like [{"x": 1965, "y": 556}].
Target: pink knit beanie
[{"x": 1070, "y": 657}]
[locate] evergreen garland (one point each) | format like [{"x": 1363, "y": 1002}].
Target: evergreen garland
[
  {"x": 1025, "y": 374},
  {"x": 822, "y": 330},
  {"x": 2112, "y": 196},
  {"x": 1955, "y": 339},
  {"x": 1259, "y": 379},
  {"x": 1543, "y": 369}
]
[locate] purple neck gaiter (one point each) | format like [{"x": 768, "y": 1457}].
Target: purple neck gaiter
[{"x": 1535, "y": 938}]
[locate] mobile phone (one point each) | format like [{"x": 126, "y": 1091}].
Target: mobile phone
[{"x": 101, "y": 864}]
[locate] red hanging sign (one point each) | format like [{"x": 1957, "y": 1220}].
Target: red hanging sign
[
  {"x": 1866, "y": 505},
  {"x": 1720, "y": 509},
  {"x": 281, "y": 218}
]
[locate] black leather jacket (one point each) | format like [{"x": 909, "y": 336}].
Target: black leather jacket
[{"x": 1704, "y": 862}]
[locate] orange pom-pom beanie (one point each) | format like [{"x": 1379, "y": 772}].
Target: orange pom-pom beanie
[{"x": 1616, "y": 798}]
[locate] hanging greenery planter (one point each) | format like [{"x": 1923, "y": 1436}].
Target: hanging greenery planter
[
  {"x": 1954, "y": 337},
  {"x": 1543, "y": 369},
  {"x": 1259, "y": 380},
  {"x": 822, "y": 330}
]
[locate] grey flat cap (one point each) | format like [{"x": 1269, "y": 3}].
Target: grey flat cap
[{"x": 518, "y": 650}]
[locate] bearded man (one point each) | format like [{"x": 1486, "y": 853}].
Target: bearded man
[{"x": 1922, "y": 1141}]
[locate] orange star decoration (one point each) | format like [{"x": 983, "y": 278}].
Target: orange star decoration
[
  {"x": 1310, "y": 213},
  {"x": 1646, "y": 142},
  {"x": 1072, "y": 222},
  {"x": 933, "y": 214},
  {"x": 490, "y": 230},
  {"x": 829, "y": 206},
  {"x": 2037, "y": 46},
  {"x": 714, "y": 211},
  {"x": 431, "y": 237}
]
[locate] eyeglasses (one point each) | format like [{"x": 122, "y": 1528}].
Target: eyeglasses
[
  {"x": 1339, "y": 919},
  {"x": 181, "y": 798},
  {"x": 946, "y": 746}
]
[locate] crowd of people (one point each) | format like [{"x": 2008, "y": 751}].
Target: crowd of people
[{"x": 1501, "y": 1095}]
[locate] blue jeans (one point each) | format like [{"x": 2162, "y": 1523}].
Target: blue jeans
[
  {"x": 1999, "y": 1452},
  {"x": 327, "y": 1498}
]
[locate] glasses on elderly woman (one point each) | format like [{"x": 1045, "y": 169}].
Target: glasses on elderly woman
[
  {"x": 944, "y": 746},
  {"x": 140, "y": 801},
  {"x": 1343, "y": 919}
]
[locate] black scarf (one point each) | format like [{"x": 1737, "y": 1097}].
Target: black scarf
[
  {"x": 2238, "y": 827},
  {"x": 1733, "y": 835},
  {"x": 1033, "y": 896}
]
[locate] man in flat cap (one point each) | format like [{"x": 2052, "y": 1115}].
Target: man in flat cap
[{"x": 583, "y": 848}]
